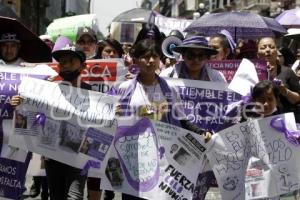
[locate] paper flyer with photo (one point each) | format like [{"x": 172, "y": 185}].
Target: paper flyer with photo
[
  {"x": 13, "y": 161},
  {"x": 64, "y": 123},
  {"x": 151, "y": 158},
  {"x": 276, "y": 163}
]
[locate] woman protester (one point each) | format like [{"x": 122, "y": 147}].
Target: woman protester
[
  {"x": 224, "y": 44},
  {"x": 109, "y": 48},
  {"x": 195, "y": 52},
  {"x": 289, "y": 87},
  {"x": 150, "y": 96}
]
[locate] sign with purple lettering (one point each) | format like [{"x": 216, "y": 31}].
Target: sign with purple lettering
[
  {"x": 229, "y": 67},
  {"x": 152, "y": 158},
  {"x": 273, "y": 142},
  {"x": 205, "y": 103},
  {"x": 14, "y": 162}
]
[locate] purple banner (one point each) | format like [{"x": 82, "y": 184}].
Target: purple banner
[
  {"x": 12, "y": 173},
  {"x": 229, "y": 67},
  {"x": 207, "y": 107},
  {"x": 12, "y": 177}
]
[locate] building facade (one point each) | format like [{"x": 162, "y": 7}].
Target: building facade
[{"x": 38, "y": 14}]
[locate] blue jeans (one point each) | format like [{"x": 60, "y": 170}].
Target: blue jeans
[{"x": 65, "y": 182}]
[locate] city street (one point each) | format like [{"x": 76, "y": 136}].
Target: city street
[{"x": 213, "y": 194}]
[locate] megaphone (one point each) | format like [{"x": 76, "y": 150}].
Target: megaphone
[{"x": 169, "y": 44}]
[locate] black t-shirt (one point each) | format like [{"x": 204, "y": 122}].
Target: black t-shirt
[{"x": 290, "y": 80}]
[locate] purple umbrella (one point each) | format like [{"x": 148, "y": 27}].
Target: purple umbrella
[
  {"x": 240, "y": 24},
  {"x": 289, "y": 18}
]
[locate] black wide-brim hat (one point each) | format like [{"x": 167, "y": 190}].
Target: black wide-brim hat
[
  {"x": 195, "y": 42},
  {"x": 76, "y": 53}
]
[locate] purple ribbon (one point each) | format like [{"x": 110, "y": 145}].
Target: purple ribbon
[
  {"x": 229, "y": 39},
  {"x": 248, "y": 97},
  {"x": 161, "y": 152},
  {"x": 276, "y": 82},
  {"x": 293, "y": 137},
  {"x": 40, "y": 119},
  {"x": 90, "y": 164}
]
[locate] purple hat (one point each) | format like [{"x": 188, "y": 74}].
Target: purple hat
[
  {"x": 64, "y": 46},
  {"x": 195, "y": 42},
  {"x": 61, "y": 42}
]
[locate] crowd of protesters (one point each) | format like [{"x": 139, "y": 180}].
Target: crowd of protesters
[{"x": 146, "y": 88}]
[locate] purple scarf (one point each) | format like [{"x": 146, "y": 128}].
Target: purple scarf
[{"x": 126, "y": 98}]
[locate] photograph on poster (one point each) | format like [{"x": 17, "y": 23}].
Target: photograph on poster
[
  {"x": 182, "y": 157},
  {"x": 21, "y": 121},
  {"x": 25, "y": 123},
  {"x": 70, "y": 136},
  {"x": 114, "y": 172},
  {"x": 50, "y": 132},
  {"x": 127, "y": 33},
  {"x": 95, "y": 143}
]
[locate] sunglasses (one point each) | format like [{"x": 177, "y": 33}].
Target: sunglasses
[{"x": 190, "y": 55}]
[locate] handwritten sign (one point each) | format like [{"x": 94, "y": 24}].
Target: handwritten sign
[{"x": 276, "y": 160}]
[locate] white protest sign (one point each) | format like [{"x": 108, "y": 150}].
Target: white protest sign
[
  {"x": 231, "y": 149},
  {"x": 244, "y": 78},
  {"x": 167, "y": 24},
  {"x": 154, "y": 159},
  {"x": 64, "y": 123}
]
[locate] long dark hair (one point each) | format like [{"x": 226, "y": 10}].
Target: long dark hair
[
  {"x": 262, "y": 87},
  {"x": 144, "y": 46},
  {"x": 110, "y": 42}
]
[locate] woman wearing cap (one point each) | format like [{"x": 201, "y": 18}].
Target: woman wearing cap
[
  {"x": 10, "y": 46},
  {"x": 289, "y": 87},
  {"x": 86, "y": 39},
  {"x": 150, "y": 96},
  {"x": 195, "y": 52}
]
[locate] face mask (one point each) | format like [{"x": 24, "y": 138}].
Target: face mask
[{"x": 69, "y": 76}]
